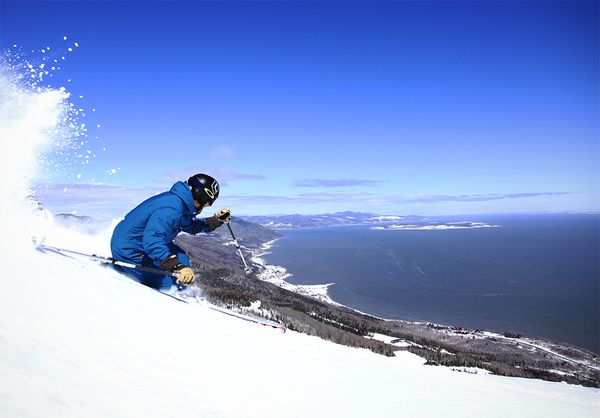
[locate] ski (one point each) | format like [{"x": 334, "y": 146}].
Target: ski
[
  {"x": 264, "y": 323},
  {"x": 79, "y": 258},
  {"x": 40, "y": 246}
]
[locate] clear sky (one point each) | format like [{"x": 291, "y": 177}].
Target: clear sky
[{"x": 311, "y": 107}]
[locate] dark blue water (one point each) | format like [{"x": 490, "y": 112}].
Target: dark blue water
[{"x": 537, "y": 275}]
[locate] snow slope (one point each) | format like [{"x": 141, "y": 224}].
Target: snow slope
[{"x": 86, "y": 342}]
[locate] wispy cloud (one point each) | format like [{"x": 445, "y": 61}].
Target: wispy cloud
[
  {"x": 304, "y": 199},
  {"x": 334, "y": 182},
  {"x": 98, "y": 200},
  {"x": 471, "y": 198},
  {"x": 224, "y": 175},
  {"x": 373, "y": 199},
  {"x": 176, "y": 175},
  {"x": 220, "y": 153}
]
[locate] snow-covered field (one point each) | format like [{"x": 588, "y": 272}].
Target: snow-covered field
[
  {"x": 84, "y": 341},
  {"x": 436, "y": 227}
]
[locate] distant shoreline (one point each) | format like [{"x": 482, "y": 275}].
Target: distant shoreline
[{"x": 277, "y": 275}]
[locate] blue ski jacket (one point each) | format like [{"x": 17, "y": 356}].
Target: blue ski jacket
[{"x": 150, "y": 227}]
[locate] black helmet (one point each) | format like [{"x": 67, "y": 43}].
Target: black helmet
[{"x": 205, "y": 189}]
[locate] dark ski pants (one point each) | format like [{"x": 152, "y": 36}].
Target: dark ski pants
[{"x": 154, "y": 280}]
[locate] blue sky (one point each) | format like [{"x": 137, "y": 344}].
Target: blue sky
[{"x": 425, "y": 108}]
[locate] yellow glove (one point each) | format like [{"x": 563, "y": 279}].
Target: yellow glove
[
  {"x": 185, "y": 275},
  {"x": 224, "y": 215}
]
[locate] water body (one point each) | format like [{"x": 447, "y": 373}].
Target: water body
[{"x": 537, "y": 275}]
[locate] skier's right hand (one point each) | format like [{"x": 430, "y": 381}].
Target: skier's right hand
[{"x": 185, "y": 275}]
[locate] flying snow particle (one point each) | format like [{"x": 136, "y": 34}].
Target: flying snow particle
[
  {"x": 65, "y": 38},
  {"x": 70, "y": 49},
  {"x": 97, "y": 126},
  {"x": 78, "y": 176},
  {"x": 76, "y": 45}
]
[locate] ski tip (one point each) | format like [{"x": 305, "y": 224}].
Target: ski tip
[{"x": 37, "y": 241}]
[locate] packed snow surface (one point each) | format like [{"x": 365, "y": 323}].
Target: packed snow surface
[{"x": 84, "y": 341}]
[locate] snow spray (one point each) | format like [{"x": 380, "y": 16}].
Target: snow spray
[{"x": 39, "y": 130}]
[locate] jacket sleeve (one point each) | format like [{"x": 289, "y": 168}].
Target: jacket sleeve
[
  {"x": 160, "y": 228},
  {"x": 197, "y": 226}
]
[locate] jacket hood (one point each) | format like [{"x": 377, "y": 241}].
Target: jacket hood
[{"x": 182, "y": 190}]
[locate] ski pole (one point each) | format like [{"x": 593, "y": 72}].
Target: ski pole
[
  {"x": 108, "y": 260},
  {"x": 247, "y": 269}
]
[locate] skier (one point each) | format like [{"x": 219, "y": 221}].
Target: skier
[{"x": 145, "y": 235}]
